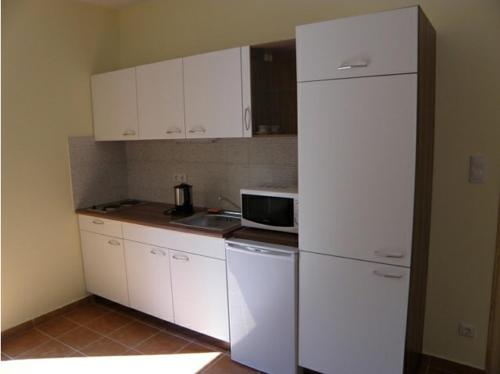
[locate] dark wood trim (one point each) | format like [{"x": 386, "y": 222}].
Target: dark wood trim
[
  {"x": 40, "y": 319},
  {"x": 493, "y": 348},
  {"x": 423, "y": 192},
  {"x": 446, "y": 366}
]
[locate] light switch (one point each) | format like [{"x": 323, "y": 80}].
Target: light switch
[{"x": 478, "y": 168}]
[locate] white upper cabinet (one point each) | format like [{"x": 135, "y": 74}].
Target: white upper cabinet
[
  {"x": 357, "y": 167},
  {"x": 160, "y": 100},
  {"x": 213, "y": 94},
  {"x": 114, "y": 105},
  {"x": 374, "y": 44}
]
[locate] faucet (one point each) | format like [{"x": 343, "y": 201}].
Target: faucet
[{"x": 223, "y": 198}]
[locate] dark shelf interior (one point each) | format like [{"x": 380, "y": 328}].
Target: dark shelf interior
[{"x": 274, "y": 88}]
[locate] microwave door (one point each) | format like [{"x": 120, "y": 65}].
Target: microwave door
[{"x": 268, "y": 210}]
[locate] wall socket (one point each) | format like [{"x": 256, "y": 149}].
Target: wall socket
[
  {"x": 466, "y": 330},
  {"x": 180, "y": 178}
]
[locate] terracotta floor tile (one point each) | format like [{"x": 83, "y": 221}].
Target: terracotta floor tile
[
  {"x": 57, "y": 326},
  {"x": 198, "y": 348},
  {"x": 85, "y": 313},
  {"x": 225, "y": 365},
  {"x": 162, "y": 343},
  {"x": 108, "y": 323},
  {"x": 50, "y": 349},
  {"x": 105, "y": 347},
  {"x": 21, "y": 343},
  {"x": 133, "y": 333},
  {"x": 79, "y": 337}
]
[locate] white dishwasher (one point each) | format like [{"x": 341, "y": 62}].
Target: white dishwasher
[{"x": 262, "y": 293}]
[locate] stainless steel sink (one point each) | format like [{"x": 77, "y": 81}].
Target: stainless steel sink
[{"x": 225, "y": 220}]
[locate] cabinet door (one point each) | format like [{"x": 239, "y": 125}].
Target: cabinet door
[
  {"x": 160, "y": 100},
  {"x": 200, "y": 294},
  {"x": 114, "y": 105},
  {"x": 212, "y": 84},
  {"x": 104, "y": 266},
  {"x": 148, "y": 276},
  {"x": 357, "y": 143},
  {"x": 352, "y": 315},
  {"x": 372, "y": 44}
]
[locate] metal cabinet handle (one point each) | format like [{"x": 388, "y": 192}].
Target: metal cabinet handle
[
  {"x": 97, "y": 222},
  {"x": 352, "y": 66},
  {"x": 156, "y": 251},
  {"x": 197, "y": 129},
  {"x": 180, "y": 257},
  {"x": 128, "y": 132},
  {"x": 174, "y": 130},
  {"x": 380, "y": 273},
  {"x": 389, "y": 254},
  {"x": 246, "y": 118},
  {"x": 113, "y": 242}
]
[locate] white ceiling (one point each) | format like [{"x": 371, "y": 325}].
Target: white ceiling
[{"x": 111, "y": 3}]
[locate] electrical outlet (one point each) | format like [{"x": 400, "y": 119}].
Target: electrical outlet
[
  {"x": 180, "y": 178},
  {"x": 478, "y": 168},
  {"x": 466, "y": 330}
]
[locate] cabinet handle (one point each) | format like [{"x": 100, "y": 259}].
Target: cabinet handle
[
  {"x": 352, "y": 66},
  {"x": 128, "y": 133},
  {"x": 246, "y": 120},
  {"x": 113, "y": 242},
  {"x": 180, "y": 257},
  {"x": 156, "y": 251},
  {"x": 97, "y": 222},
  {"x": 380, "y": 273},
  {"x": 175, "y": 130},
  {"x": 197, "y": 129},
  {"x": 389, "y": 254}
]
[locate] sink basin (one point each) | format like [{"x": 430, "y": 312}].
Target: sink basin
[{"x": 225, "y": 220}]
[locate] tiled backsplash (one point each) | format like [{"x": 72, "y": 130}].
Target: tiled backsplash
[
  {"x": 98, "y": 171},
  {"x": 219, "y": 167}
]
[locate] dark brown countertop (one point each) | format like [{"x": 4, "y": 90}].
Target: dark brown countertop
[
  {"x": 266, "y": 236},
  {"x": 152, "y": 214}
]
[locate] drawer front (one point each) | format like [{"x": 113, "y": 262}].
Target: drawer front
[
  {"x": 100, "y": 225},
  {"x": 192, "y": 243},
  {"x": 374, "y": 44}
]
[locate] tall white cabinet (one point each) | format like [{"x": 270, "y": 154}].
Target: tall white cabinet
[{"x": 365, "y": 123}]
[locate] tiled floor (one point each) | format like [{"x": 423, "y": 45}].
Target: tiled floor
[{"x": 103, "y": 329}]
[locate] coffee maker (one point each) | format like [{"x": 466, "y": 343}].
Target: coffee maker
[{"x": 183, "y": 200}]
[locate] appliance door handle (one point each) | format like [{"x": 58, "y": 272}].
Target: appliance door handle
[
  {"x": 389, "y": 254},
  {"x": 383, "y": 274},
  {"x": 246, "y": 118},
  {"x": 157, "y": 251},
  {"x": 113, "y": 242},
  {"x": 256, "y": 250},
  {"x": 97, "y": 222},
  {"x": 197, "y": 129},
  {"x": 353, "y": 66},
  {"x": 180, "y": 257}
]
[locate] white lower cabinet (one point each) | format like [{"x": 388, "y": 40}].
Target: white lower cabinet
[
  {"x": 200, "y": 294},
  {"x": 104, "y": 266},
  {"x": 352, "y": 315},
  {"x": 148, "y": 275}
]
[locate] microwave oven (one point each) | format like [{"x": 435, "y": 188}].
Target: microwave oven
[{"x": 270, "y": 209}]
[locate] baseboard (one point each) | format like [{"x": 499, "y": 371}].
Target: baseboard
[
  {"x": 40, "y": 319},
  {"x": 449, "y": 367}
]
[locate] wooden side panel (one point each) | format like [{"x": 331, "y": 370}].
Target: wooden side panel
[
  {"x": 493, "y": 352},
  {"x": 423, "y": 192}
]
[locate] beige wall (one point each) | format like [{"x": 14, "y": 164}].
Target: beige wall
[
  {"x": 49, "y": 49},
  {"x": 467, "y": 122}
]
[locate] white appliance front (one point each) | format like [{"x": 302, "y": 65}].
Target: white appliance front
[{"x": 262, "y": 293}]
